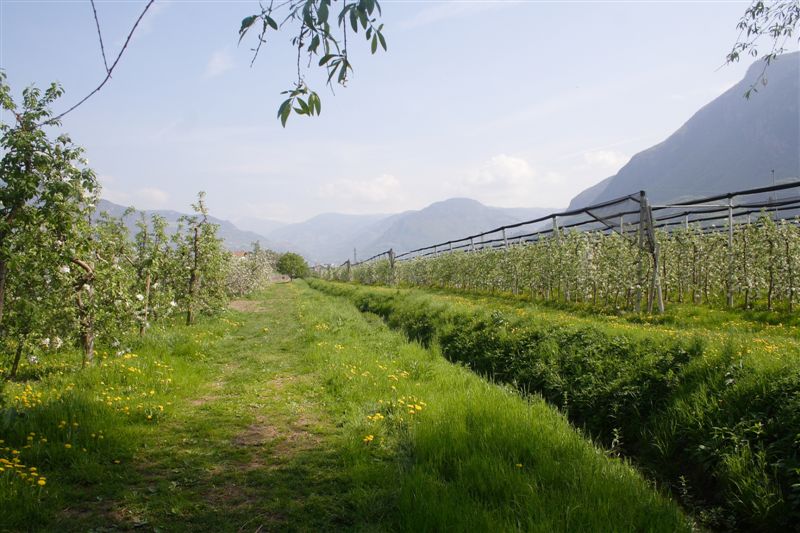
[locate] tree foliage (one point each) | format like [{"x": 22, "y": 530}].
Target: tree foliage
[
  {"x": 319, "y": 34},
  {"x": 774, "y": 21},
  {"x": 293, "y": 265},
  {"x": 70, "y": 277}
]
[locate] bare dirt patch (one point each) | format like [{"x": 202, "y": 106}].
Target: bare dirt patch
[
  {"x": 256, "y": 435},
  {"x": 203, "y": 400},
  {"x": 246, "y": 306}
]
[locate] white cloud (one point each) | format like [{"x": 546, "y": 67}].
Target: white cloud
[
  {"x": 447, "y": 10},
  {"x": 152, "y": 197},
  {"x": 383, "y": 191},
  {"x": 502, "y": 170},
  {"x": 220, "y": 62},
  {"x": 507, "y": 181},
  {"x": 605, "y": 159},
  {"x": 144, "y": 198}
]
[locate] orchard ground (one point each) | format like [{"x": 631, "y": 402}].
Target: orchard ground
[{"x": 295, "y": 412}]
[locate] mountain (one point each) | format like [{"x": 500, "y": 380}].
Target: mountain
[
  {"x": 232, "y": 237},
  {"x": 262, "y": 226},
  {"x": 730, "y": 144},
  {"x": 331, "y": 238},
  {"x": 443, "y": 221}
]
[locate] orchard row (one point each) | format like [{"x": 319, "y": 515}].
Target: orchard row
[{"x": 754, "y": 266}]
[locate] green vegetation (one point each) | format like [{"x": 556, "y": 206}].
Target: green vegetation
[
  {"x": 711, "y": 409},
  {"x": 292, "y": 265},
  {"x": 608, "y": 271},
  {"x": 296, "y": 411}
]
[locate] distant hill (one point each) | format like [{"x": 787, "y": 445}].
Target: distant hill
[
  {"x": 232, "y": 237},
  {"x": 730, "y": 144},
  {"x": 331, "y": 238}
]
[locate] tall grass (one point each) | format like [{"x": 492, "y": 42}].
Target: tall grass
[
  {"x": 62, "y": 427},
  {"x": 475, "y": 456},
  {"x": 716, "y": 413}
]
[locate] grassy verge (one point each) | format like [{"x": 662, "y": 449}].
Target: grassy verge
[
  {"x": 714, "y": 412},
  {"x": 298, "y": 413}
]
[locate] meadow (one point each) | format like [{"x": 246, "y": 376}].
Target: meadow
[
  {"x": 294, "y": 411},
  {"x": 703, "y": 401}
]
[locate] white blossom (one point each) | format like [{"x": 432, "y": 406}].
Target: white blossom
[{"x": 64, "y": 269}]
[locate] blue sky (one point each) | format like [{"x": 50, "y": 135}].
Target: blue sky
[{"x": 510, "y": 103}]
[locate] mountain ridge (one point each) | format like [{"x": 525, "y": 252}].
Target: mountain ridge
[{"x": 731, "y": 143}]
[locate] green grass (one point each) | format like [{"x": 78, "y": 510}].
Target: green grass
[
  {"x": 712, "y": 411},
  {"x": 300, "y": 413}
]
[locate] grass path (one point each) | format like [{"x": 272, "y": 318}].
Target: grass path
[
  {"x": 252, "y": 449},
  {"x": 295, "y": 412}
]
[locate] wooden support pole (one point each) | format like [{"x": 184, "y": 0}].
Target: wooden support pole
[
  {"x": 640, "y": 266},
  {"x": 505, "y": 240},
  {"x": 392, "y": 273},
  {"x": 730, "y": 252}
]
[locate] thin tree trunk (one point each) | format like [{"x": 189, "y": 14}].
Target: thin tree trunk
[
  {"x": 192, "y": 280},
  {"x": 17, "y": 357},
  {"x": 771, "y": 275},
  {"x": 3, "y": 278},
  {"x": 143, "y": 325},
  {"x": 790, "y": 272},
  {"x": 85, "y": 309}
]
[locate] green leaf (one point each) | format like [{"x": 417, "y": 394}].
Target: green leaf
[
  {"x": 314, "y": 44},
  {"x": 354, "y": 19},
  {"x": 324, "y": 59},
  {"x": 317, "y": 103},
  {"x": 382, "y": 40},
  {"x": 303, "y": 106},
  {"x": 362, "y": 15},
  {"x": 374, "y": 45},
  {"x": 284, "y": 110},
  {"x": 322, "y": 12},
  {"x": 246, "y": 23},
  {"x": 271, "y": 22}
]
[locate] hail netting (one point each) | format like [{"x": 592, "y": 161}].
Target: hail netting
[{"x": 734, "y": 249}]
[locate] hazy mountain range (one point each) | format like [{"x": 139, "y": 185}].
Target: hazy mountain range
[
  {"x": 730, "y": 144},
  {"x": 332, "y": 237}
]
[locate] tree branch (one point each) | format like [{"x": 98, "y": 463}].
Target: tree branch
[
  {"x": 100, "y": 36},
  {"x": 108, "y": 73}
]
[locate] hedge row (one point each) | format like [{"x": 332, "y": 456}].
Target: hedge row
[{"x": 716, "y": 422}]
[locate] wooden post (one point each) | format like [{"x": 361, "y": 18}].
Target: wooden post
[
  {"x": 686, "y": 222},
  {"x": 622, "y": 225},
  {"x": 654, "y": 249},
  {"x": 392, "y": 276},
  {"x": 640, "y": 266},
  {"x": 471, "y": 245},
  {"x": 505, "y": 240},
  {"x": 347, "y": 266},
  {"x": 730, "y": 252},
  {"x": 555, "y": 226}
]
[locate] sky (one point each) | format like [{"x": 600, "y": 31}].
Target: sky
[{"x": 514, "y": 104}]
